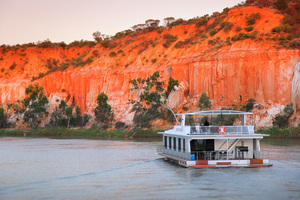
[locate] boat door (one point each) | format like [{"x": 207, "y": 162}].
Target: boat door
[{"x": 201, "y": 147}]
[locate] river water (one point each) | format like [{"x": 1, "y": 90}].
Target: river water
[{"x": 43, "y": 168}]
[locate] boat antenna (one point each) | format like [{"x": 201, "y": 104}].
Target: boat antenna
[
  {"x": 221, "y": 109},
  {"x": 173, "y": 114}
]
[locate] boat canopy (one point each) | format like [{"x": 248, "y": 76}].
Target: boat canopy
[{"x": 217, "y": 112}]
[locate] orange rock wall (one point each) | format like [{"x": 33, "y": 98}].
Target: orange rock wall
[
  {"x": 245, "y": 69},
  {"x": 239, "y": 74}
]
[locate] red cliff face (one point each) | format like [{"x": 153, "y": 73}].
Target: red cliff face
[{"x": 241, "y": 70}]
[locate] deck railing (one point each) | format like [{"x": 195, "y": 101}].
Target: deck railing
[{"x": 214, "y": 130}]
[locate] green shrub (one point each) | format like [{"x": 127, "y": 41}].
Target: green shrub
[
  {"x": 45, "y": 44},
  {"x": 213, "y": 32},
  {"x": 181, "y": 44},
  {"x": 249, "y": 28},
  {"x": 95, "y": 53},
  {"x": 202, "y": 22},
  {"x": 281, "y": 121},
  {"x": 112, "y": 54},
  {"x": 288, "y": 110},
  {"x": 256, "y": 15},
  {"x": 226, "y": 26},
  {"x": 62, "y": 44},
  {"x": 169, "y": 39},
  {"x": 250, "y": 21},
  {"x": 63, "y": 66},
  {"x": 177, "y": 22},
  {"x": 81, "y": 43},
  {"x": 288, "y": 19},
  {"x": 120, "y": 125},
  {"x": 52, "y": 62},
  {"x": 13, "y": 66},
  {"x": 295, "y": 44},
  {"x": 249, "y": 105},
  {"x": 160, "y": 30},
  {"x": 204, "y": 102},
  {"x": 243, "y": 36},
  {"x": 283, "y": 28},
  {"x": 238, "y": 29},
  {"x": 154, "y": 60},
  {"x": 214, "y": 41},
  {"x": 253, "y": 17},
  {"x": 185, "y": 108},
  {"x": 105, "y": 43},
  {"x": 2, "y": 70}
]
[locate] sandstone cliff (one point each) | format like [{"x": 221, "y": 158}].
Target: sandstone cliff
[{"x": 256, "y": 68}]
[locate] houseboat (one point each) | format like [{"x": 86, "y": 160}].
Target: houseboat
[{"x": 208, "y": 146}]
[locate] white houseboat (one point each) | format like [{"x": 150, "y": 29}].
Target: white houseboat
[{"x": 205, "y": 146}]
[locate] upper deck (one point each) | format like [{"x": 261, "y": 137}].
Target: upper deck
[
  {"x": 214, "y": 130},
  {"x": 241, "y": 130}
]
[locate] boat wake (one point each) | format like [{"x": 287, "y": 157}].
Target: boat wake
[{"x": 27, "y": 186}]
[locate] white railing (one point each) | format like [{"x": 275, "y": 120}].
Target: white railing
[{"x": 214, "y": 130}]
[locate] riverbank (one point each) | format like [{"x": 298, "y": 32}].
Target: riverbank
[
  {"x": 274, "y": 132},
  {"x": 92, "y": 132}
]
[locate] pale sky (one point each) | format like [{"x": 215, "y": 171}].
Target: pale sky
[{"x": 24, "y": 21}]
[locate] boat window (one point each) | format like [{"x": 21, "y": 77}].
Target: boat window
[
  {"x": 202, "y": 145},
  {"x": 183, "y": 145},
  {"x": 179, "y": 144},
  {"x": 166, "y": 141},
  {"x": 174, "y": 143},
  {"x": 170, "y": 142}
]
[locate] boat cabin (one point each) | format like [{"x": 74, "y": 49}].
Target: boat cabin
[{"x": 212, "y": 145}]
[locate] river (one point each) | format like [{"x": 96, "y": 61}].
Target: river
[{"x": 44, "y": 168}]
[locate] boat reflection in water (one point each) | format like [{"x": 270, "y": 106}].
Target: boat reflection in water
[{"x": 214, "y": 146}]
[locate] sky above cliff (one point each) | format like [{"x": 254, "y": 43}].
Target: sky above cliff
[{"x": 24, "y": 21}]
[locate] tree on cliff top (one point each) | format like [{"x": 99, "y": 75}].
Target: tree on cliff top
[
  {"x": 152, "y": 100},
  {"x": 35, "y": 105},
  {"x": 103, "y": 111},
  {"x": 98, "y": 36}
]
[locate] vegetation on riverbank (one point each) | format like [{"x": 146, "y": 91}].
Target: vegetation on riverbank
[
  {"x": 92, "y": 132},
  {"x": 276, "y": 132}
]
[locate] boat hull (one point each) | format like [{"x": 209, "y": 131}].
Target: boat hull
[{"x": 219, "y": 163}]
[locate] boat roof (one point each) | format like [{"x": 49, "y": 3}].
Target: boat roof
[
  {"x": 225, "y": 136},
  {"x": 217, "y": 112}
]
